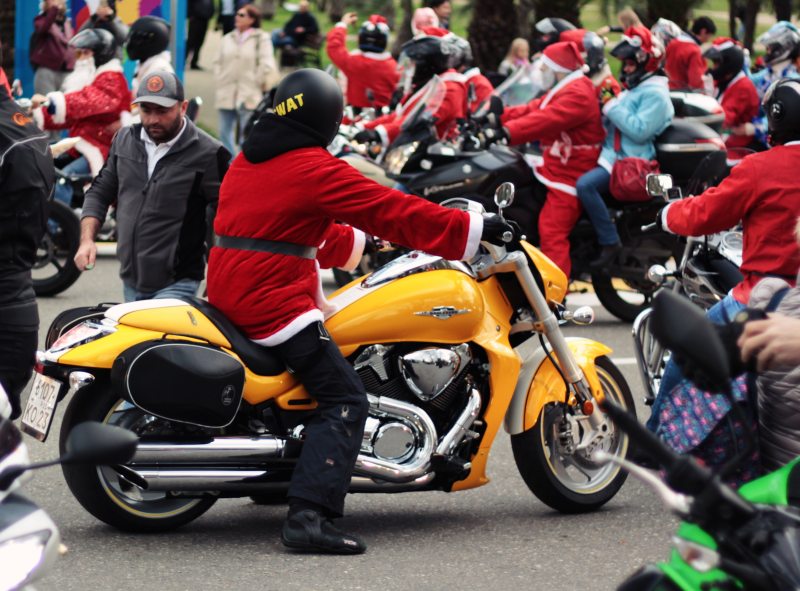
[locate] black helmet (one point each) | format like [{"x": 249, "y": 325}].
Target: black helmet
[
  {"x": 99, "y": 41},
  {"x": 728, "y": 59},
  {"x": 431, "y": 55},
  {"x": 782, "y": 105},
  {"x": 148, "y": 36},
  {"x": 374, "y": 34},
  {"x": 313, "y": 99},
  {"x": 595, "y": 49},
  {"x": 548, "y": 31},
  {"x": 641, "y": 47}
]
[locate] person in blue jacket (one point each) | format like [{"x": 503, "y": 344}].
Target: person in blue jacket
[{"x": 632, "y": 120}]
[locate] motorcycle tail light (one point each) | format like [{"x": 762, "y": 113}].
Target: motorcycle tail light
[
  {"x": 81, "y": 334},
  {"x": 699, "y": 557}
]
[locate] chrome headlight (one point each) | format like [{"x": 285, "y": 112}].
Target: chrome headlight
[
  {"x": 21, "y": 556},
  {"x": 397, "y": 158},
  {"x": 83, "y": 333}
]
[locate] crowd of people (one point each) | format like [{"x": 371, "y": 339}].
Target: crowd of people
[{"x": 171, "y": 182}]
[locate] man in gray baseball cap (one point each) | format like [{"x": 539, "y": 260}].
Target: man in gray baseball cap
[{"x": 164, "y": 174}]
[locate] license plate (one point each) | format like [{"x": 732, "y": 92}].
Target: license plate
[{"x": 41, "y": 406}]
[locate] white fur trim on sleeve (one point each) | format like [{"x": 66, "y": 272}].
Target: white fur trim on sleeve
[
  {"x": 474, "y": 235},
  {"x": 57, "y": 98},
  {"x": 92, "y": 154},
  {"x": 384, "y": 136},
  {"x": 664, "y": 222},
  {"x": 359, "y": 241},
  {"x": 38, "y": 118},
  {"x": 610, "y": 105}
]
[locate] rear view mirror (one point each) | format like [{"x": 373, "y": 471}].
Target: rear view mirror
[
  {"x": 658, "y": 184},
  {"x": 504, "y": 195},
  {"x": 96, "y": 443},
  {"x": 683, "y": 328}
]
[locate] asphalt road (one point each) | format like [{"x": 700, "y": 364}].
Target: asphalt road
[{"x": 496, "y": 537}]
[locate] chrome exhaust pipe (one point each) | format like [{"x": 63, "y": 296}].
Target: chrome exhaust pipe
[{"x": 248, "y": 451}]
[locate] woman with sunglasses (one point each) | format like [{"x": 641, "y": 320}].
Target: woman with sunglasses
[{"x": 244, "y": 69}]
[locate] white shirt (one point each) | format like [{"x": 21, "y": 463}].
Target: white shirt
[{"x": 156, "y": 152}]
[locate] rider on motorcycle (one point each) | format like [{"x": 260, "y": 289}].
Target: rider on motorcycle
[
  {"x": 684, "y": 63},
  {"x": 268, "y": 283},
  {"x": 549, "y": 31},
  {"x": 761, "y": 192},
  {"x": 567, "y": 123},
  {"x": 428, "y": 55},
  {"x": 734, "y": 90},
  {"x": 462, "y": 62},
  {"x": 91, "y": 113},
  {"x": 633, "y": 120},
  {"x": 370, "y": 67},
  {"x": 148, "y": 43}
]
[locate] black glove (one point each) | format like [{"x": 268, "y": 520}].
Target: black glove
[
  {"x": 498, "y": 231},
  {"x": 660, "y": 219},
  {"x": 367, "y": 136},
  {"x": 371, "y": 244}
]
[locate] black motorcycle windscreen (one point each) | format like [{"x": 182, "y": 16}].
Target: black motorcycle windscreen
[{"x": 180, "y": 381}]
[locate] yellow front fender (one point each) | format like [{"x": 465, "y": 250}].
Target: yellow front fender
[{"x": 546, "y": 385}]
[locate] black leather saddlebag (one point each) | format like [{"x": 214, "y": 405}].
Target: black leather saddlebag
[{"x": 180, "y": 381}]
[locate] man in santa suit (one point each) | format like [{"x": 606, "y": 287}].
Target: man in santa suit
[
  {"x": 734, "y": 90},
  {"x": 93, "y": 112},
  {"x": 761, "y": 193},
  {"x": 478, "y": 86},
  {"x": 430, "y": 56},
  {"x": 684, "y": 63},
  {"x": 284, "y": 194},
  {"x": 371, "y": 71},
  {"x": 593, "y": 50},
  {"x": 567, "y": 123}
]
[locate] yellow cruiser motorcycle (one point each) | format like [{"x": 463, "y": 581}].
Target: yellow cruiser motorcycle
[{"x": 447, "y": 351}]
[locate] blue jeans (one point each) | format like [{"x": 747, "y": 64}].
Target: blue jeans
[
  {"x": 280, "y": 41},
  {"x": 720, "y": 313},
  {"x": 181, "y": 288},
  {"x": 590, "y": 188},
  {"x": 228, "y": 119},
  {"x": 64, "y": 188}
]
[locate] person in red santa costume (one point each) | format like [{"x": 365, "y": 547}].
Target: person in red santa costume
[
  {"x": 284, "y": 194},
  {"x": 478, "y": 86},
  {"x": 593, "y": 50},
  {"x": 429, "y": 60},
  {"x": 93, "y": 112},
  {"x": 567, "y": 123},
  {"x": 734, "y": 90},
  {"x": 683, "y": 59},
  {"x": 371, "y": 71}
]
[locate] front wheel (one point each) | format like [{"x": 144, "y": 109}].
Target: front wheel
[
  {"x": 573, "y": 482},
  {"x": 102, "y": 491},
  {"x": 54, "y": 269}
]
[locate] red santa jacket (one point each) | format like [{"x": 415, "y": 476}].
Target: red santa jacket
[
  {"x": 740, "y": 103},
  {"x": 761, "y": 191},
  {"x": 453, "y": 107},
  {"x": 685, "y": 65},
  {"x": 480, "y": 83},
  {"x": 4, "y": 81},
  {"x": 91, "y": 113},
  {"x": 367, "y": 70},
  {"x": 568, "y": 124},
  {"x": 296, "y": 197}
]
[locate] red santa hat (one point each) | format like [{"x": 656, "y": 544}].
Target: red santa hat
[
  {"x": 435, "y": 31},
  {"x": 563, "y": 57},
  {"x": 723, "y": 43},
  {"x": 574, "y": 35},
  {"x": 376, "y": 21}
]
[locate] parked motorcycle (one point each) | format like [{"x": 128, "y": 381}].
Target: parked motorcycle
[
  {"x": 447, "y": 352},
  {"x": 707, "y": 270},
  {"x": 746, "y": 539},
  {"x": 29, "y": 540}
]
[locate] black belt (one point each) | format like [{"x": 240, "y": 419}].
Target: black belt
[{"x": 270, "y": 246}]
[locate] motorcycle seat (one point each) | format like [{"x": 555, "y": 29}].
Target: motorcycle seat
[{"x": 260, "y": 360}]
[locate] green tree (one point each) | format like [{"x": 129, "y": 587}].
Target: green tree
[
  {"x": 491, "y": 30},
  {"x": 674, "y": 10}
]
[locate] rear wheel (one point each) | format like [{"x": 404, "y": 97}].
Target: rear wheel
[
  {"x": 573, "y": 482},
  {"x": 106, "y": 494}
]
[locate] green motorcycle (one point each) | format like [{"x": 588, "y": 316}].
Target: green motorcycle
[{"x": 730, "y": 540}]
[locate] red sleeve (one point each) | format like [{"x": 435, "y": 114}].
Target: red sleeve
[
  {"x": 566, "y": 112},
  {"x": 343, "y": 245},
  {"x": 42, "y": 22},
  {"x": 717, "y": 209},
  {"x": 740, "y": 104},
  {"x": 695, "y": 68},
  {"x": 337, "y": 49},
  {"x": 512, "y": 113},
  {"x": 404, "y": 219},
  {"x": 453, "y": 107},
  {"x": 99, "y": 98}
]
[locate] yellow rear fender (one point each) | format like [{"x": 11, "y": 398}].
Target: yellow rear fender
[{"x": 540, "y": 383}]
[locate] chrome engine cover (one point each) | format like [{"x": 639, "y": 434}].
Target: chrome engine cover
[
  {"x": 394, "y": 442},
  {"x": 428, "y": 372}
]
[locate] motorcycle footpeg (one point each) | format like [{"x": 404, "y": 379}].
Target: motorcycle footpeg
[{"x": 449, "y": 466}]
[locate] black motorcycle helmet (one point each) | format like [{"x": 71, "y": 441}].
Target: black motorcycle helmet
[
  {"x": 461, "y": 51},
  {"x": 99, "y": 41},
  {"x": 148, "y": 36},
  {"x": 595, "y": 49},
  {"x": 639, "y": 46},
  {"x": 782, "y": 105},
  {"x": 431, "y": 55},
  {"x": 313, "y": 99},
  {"x": 373, "y": 35},
  {"x": 728, "y": 59},
  {"x": 548, "y": 31}
]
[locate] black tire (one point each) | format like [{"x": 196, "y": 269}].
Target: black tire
[
  {"x": 613, "y": 300},
  {"x": 54, "y": 269},
  {"x": 532, "y": 454},
  {"x": 98, "y": 489},
  {"x": 277, "y": 497}
]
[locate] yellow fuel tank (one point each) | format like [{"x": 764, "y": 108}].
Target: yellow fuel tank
[{"x": 438, "y": 306}]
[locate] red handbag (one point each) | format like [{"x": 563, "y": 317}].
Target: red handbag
[{"x": 629, "y": 175}]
